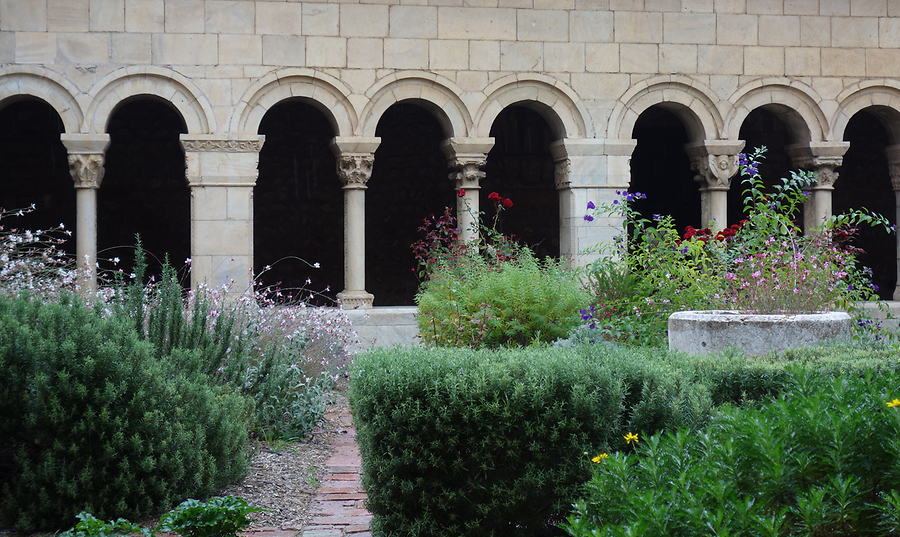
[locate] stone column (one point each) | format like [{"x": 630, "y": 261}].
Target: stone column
[
  {"x": 716, "y": 162},
  {"x": 892, "y": 152},
  {"x": 222, "y": 171},
  {"x": 355, "y": 158},
  {"x": 822, "y": 158},
  {"x": 589, "y": 170},
  {"x": 466, "y": 157},
  {"x": 86, "y": 159}
]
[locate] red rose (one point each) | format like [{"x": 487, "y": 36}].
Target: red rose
[
  {"x": 461, "y": 192},
  {"x": 493, "y": 196},
  {"x": 507, "y": 203}
]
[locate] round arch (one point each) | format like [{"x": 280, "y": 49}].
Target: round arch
[
  {"x": 163, "y": 83},
  {"x": 324, "y": 92},
  {"x": 558, "y": 104},
  {"x": 436, "y": 94},
  {"x": 47, "y": 86},
  {"x": 879, "y": 99},
  {"x": 794, "y": 103},
  {"x": 694, "y": 105}
]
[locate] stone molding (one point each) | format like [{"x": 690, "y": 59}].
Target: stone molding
[
  {"x": 351, "y": 300},
  {"x": 218, "y": 144},
  {"x": 466, "y": 157},
  {"x": 715, "y": 161}
]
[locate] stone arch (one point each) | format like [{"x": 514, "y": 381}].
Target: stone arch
[
  {"x": 794, "y": 103},
  {"x": 47, "y": 86},
  {"x": 436, "y": 94},
  {"x": 693, "y": 104},
  {"x": 324, "y": 92},
  {"x": 557, "y": 103},
  {"x": 881, "y": 98},
  {"x": 166, "y": 84}
]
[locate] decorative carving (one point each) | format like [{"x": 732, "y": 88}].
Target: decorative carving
[
  {"x": 354, "y": 170},
  {"x": 562, "y": 173},
  {"x": 824, "y": 167},
  {"x": 894, "y": 170},
  {"x": 467, "y": 171},
  {"x": 223, "y": 146},
  {"x": 87, "y": 169},
  {"x": 715, "y": 170}
]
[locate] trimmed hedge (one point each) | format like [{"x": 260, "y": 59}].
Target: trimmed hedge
[
  {"x": 89, "y": 420},
  {"x": 483, "y": 443}
]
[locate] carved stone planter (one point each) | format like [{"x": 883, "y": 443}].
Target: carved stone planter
[{"x": 704, "y": 332}]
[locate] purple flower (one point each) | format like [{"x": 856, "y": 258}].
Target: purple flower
[
  {"x": 657, "y": 217},
  {"x": 591, "y": 205},
  {"x": 615, "y": 202},
  {"x": 588, "y": 218}
]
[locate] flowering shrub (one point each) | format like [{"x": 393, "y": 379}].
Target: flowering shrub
[
  {"x": 34, "y": 261},
  {"x": 490, "y": 291},
  {"x": 761, "y": 265}
]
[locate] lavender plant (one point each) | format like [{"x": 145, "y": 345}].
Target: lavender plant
[{"x": 764, "y": 264}]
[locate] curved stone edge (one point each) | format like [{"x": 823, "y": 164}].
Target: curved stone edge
[{"x": 707, "y": 332}]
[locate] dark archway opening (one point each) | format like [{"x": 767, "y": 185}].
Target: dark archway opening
[
  {"x": 298, "y": 205},
  {"x": 34, "y": 169},
  {"x": 520, "y": 167},
  {"x": 762, "y": 128},
  {"x": 144, "y": 190},
  {"x": 409, "y": 182},
  {"x": 864, "y": 181},
  {"x": 661, "y": 169}
]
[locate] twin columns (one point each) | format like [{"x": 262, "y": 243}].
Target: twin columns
[{"x": 222, "y": 172}]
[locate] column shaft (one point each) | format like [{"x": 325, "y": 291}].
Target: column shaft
[
  {"x": 466, "y": 157},
  {"x": 715, "y": 162}
]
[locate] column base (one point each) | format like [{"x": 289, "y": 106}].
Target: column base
[{"x": 351, "y": 300}]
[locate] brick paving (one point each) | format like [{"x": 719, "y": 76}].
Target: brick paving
[{"x": 337, "y": 509}]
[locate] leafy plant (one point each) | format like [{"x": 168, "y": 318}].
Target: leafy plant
[
  {"x": 90, "y": 526},
  {"x": 761, "y": 265},
  {"x": 219, "y": 517},
  {"x": 490, "y": 292}
]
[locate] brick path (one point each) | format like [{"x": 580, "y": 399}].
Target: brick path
[{"x": 337, "y": 509}]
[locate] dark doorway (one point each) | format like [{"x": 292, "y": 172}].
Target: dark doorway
[
  {"x": 763, "y": 127},
  {"x": 298, "y": 205},
  {"x": 409, "y": 182},
  {"x": 34, "y": 169},
  {"x": 864, "y": 181},
  {"x": 661, "y": 169},
  {"x": 520, "y": 167},
  {"x": 144, "y": 190}
]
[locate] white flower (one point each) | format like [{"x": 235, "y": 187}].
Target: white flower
[{"x": 317, "y": 265}]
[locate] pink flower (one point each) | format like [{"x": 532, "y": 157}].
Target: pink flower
[{"x": 461, "y": 192}]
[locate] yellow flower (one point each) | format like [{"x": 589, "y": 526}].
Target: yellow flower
[
  {"x": 600, "y": 458},
  {"x": 895, "y": 402},
  {"x": 631, "y": 436}
]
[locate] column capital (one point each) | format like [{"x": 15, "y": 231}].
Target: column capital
[
  {"x": 892, "y": 152},
  {"x": 466, "y": 157},
  {"x": 715, "y": 161},
  {"x": 821, "y": 157},
  {"x": 355, "y": 159},
  {"x": 86, "y": 158}
]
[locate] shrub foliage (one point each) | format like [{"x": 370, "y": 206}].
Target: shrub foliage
[{"x": 92, "y": 421}]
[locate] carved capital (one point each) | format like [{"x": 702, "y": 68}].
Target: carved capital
[
  {"x": 467, "y": 171},
  {"x": 894, "y": 170},
  {"x": 715, "y": 171},
  {"x": 823, "y": 165},
  {"x": 562, "y": 173},
  {"x": 87, "y": 169},
  {"x": 354, "y": 170}
]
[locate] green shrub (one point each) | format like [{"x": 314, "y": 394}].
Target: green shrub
[
  {"x": 822, "y": 459},
  {"x": 219, "y": 517},
  {"x": 519, "y": 301},
  {"x": 460, "y": 442},
  {"x": 96, "y": 423}
]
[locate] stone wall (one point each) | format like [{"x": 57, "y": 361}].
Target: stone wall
[{"x": 590, "y": 68}]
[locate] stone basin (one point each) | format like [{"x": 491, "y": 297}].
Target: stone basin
[{"x": 705, "y": 332}]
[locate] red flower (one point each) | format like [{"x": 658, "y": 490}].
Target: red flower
[
  {"x": 493, "y": 196},
  {"x": 507, "y": 203},
  {"x": 461, "y": 192}
]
